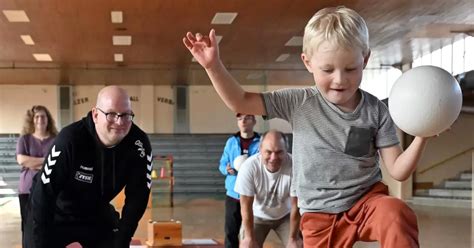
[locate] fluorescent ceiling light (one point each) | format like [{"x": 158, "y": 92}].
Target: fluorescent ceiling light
[
  {"x": 283, "y": 57},
  {"x": 16, "y": 16},
  {"x": 224, "y": 18},
  {"x": 27, "y": 39},
  {"x": 295, "y": 41},
  {"x": 42, "y": 57},
  {"x": 116, "y": 16},
  {"x": 122, "y": 40},
  {"x": 118, "y": 57}
]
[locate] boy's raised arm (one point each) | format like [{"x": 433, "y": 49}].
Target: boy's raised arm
[{"x": 206, "y": 51}]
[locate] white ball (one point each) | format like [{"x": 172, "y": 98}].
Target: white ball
[
  {"x": 238, "y": 161},
  {"x": 425, "y": 101}
]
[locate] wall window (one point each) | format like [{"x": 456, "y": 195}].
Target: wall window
[
  {"x": 436, "y": 58},
  {"x": 379, "y": 82},
  {"x": 469, "y": 53},
  {"x": 447, "y": 58},
  {"x": 417, "y": 62},
  {"x": 426, "y": 59},
  {"x": 456, "y": 58}
]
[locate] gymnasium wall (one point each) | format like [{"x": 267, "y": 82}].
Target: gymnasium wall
[
  {"x": 16, "y": 99},
  {"x": 153, "y": 105},
  {"x": 455, "y": 146}
]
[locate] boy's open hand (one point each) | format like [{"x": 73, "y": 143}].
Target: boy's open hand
[{"x": 203, "y": 48}]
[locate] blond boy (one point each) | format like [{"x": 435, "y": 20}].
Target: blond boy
[{"x": 340, "y": 132}]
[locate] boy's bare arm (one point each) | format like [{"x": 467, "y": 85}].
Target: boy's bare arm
[
  {"x": 206, "y": 51},
  {"x": 401, "y": 164}
]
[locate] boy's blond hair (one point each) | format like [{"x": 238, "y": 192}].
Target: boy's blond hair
[{"x": 339, "y": 26}]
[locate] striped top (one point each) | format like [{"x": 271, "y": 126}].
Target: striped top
[{"x": 335, "y": 158}]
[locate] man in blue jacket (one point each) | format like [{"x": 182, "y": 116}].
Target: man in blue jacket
[{"x": 245, "y": 142}]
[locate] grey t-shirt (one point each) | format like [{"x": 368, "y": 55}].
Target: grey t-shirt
[{"x": 335, "y": 158}]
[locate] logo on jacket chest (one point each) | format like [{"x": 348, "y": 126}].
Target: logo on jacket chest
[
  {"x": 140, "y": 148},
  {"x": 86, "y": 168},
  {"x": 84, "y": 177}
]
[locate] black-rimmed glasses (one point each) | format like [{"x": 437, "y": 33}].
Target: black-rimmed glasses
[
  {"x": 246, "y": 118},
  {"x": 114, "y": 117}
]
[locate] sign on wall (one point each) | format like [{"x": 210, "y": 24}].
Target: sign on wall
[{"x": 165, "y": 100}]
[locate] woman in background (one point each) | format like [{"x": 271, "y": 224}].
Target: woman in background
[{"x": 39, "y": 131}]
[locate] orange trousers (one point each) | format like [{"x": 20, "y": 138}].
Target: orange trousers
[{"x": 375, "y": 217}]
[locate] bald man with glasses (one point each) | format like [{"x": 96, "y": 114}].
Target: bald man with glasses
[{"x": 90, "y": 162}]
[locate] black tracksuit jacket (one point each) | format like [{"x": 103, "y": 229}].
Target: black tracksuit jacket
[{"x": 70, "y": 197}]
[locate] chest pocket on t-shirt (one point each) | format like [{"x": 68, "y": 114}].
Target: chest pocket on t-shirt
[{"x": 359, "y": 141}]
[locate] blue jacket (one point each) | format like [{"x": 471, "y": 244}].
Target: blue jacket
[{"x": 231, "y": 151}]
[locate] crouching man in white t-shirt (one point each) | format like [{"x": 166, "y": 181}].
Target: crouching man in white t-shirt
[{"x": 263, "y": 183}]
